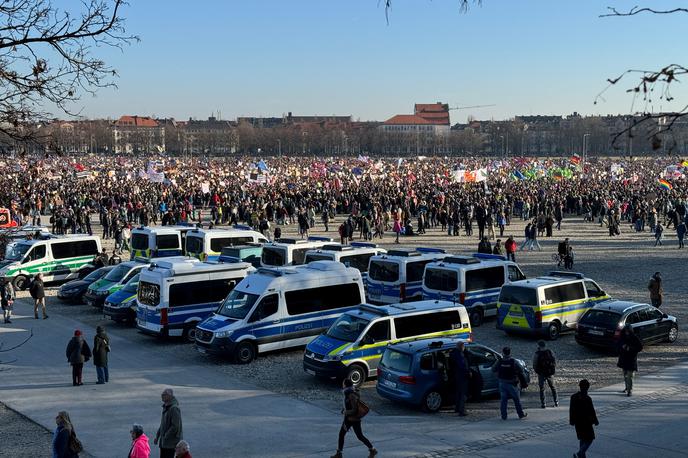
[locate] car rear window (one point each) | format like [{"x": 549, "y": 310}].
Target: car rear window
[
  {"x": 396, "y": 361},
  {"x": 518, "y": 295},
  {"x": 601, "y": 318}
]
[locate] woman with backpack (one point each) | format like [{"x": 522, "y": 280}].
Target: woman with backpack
[
  {"x": 544, "y": 365},
  {"x": 65, "y": 443},
  {"x": 354, "y": 410}
]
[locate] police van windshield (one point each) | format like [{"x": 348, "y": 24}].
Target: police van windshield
[
  {"x": 273, "y": 256},
  {"x": 17, "y": 252},
  {"x": 518, "y": 295},
  {"x": 317, "y": 257},
  {"x": 441, "y": 279},
  {"x": 194, "y": 244},
  {"x": 384, "y": 271},
  {"x": 118, "y": 273},
  {"x": 237, "y": 305},
  {"x": 139, "y": 241},
  {"x": 347, "y": 328}
]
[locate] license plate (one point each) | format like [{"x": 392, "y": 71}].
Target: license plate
[
  {"x": 596, "y": 333},
  {"x": 388, "y": 383},
  {"x": 309, "y": 371}
]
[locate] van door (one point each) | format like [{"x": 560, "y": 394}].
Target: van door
[
  {"x": 266, "y": 323},
  {"x": 62, "y": 252},
  {"x": 373, "y": 343},
  {"x": 36, "y": 262}
]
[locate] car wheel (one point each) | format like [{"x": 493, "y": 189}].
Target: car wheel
[
  {"x": 190, "y": 333},
  {"x": 357, "y": 374},
  {"x": 245, "y": 353},
  {"x": 476, "y": 317},
  {"x": 553, "y": 330},
  {"x": 20, "y": 283},
  {"x": 673, "y": 334},
  {"x": 432, "y": 402}
]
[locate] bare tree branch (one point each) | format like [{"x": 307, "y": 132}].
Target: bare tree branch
[
  {"x": 464, "y": 6},
  {"x": 637, "y": 10}
]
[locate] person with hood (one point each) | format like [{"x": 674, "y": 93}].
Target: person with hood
[
  {"x": 101, "y": 348},
  {"x": 78, "y": 352},
  {"x": 497, "y": 249},
  {"x": 140, "y": 448},
  {"x": 7, "y": 296},
  {"x": 62, "y": 437},
  {"x": 484, "y": 246},
  {"x": 629, "y": 346},
  {"x": 170, "y": 431},
  {"x": 352, "y": 419},
  {"x": 582, "y": 416},
  {"x": 37, "y": 292},
  {"x": 656, "y": 290}
]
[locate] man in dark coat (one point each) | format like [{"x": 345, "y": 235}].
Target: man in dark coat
[
  {"x": 170, "y": 432},
  {"x": 101, "y": 348},
  {"x": 7, "y": 296},
  {"x": 629, "y": 346},
  {"x": 461, "y": 373},
  {"x": 37, "y": 292},
  {"x": 582, "y": 415},
  {"x": 78, "y": 352},
  {"x": 656, "y": 290}
]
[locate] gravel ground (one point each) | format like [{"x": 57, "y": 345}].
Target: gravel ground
[{"x": 621, "y": 265}]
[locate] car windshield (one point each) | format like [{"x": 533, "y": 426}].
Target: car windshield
[
  {"x": 237, "y": 305},
  {"x": 602, "y": 318},
  {"x": 132, "y": 284},
  {"x": 347, "y": 328},
  {"x": 118, "y": 273},
  {"x": 17, "y": 252},
  {"x": 273, "y": 256},
  {"x": 396, "y": 360},
  {"x": 97, "y": 274},
  {"x": 384, "y": 271}
]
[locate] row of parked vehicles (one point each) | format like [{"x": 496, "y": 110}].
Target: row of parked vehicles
[{"x": 360, "y": 311}]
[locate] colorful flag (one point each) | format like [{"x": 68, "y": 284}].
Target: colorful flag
[
  {"x": 575, "y": 159},
  {"x": 684, "y": 163},
  {"x": 664, "y": 184},
  {"x": 519, "y": 175}
]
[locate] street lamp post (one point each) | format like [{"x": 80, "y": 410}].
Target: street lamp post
[
  {"x": 503, "y": 146},
  {"x": 585, "y": 147},
  {"x": 279, "y": 147}
]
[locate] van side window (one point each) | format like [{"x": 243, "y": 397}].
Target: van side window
[
  {"x": 38, "y": 252},
  {"x": 479, "y": 279},
  {"x": 313, "y": 300},
  {"x": 633, "y": 318},
  {"x": 268, "y": 306},
  {"x": 515, "y": 273},
  {"x": 298, "y": 255},
  {"x": 479, "y": 356},
  {"x": 86, "y": 248},
  {"x": 378, "y": 332},
  {"x": 357, "y": 261},
  {"x": 427, "y": 362},
  {"x": 416, "y": 325},
  {"x": 166, "y": 242},
  {"x": 564, "y": 293},
  {"x": 204, "y": 292},
  {"x": 414, "y": 270},
  {"x": 217, "y": 244},
  {"x": 593, "y": 289}
]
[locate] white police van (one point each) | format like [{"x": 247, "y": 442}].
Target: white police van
[
  {"x": 277, "y": 308},
  {"x": 156, "y": 242},
  {"x": 176, "y": 294},
  {"x": 473, "y": 281},
  {"x": 290, "y": 252},
  {"x": 356, "y": 255},
  {"x": 397, "y": 276},
  {"x": 207, "y": 244}
]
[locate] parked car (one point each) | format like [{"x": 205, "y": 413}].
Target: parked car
[
  {"x": 73, "y": 291},
  {"x": 601, "y": 325},
  {"x": 120, "y": 306},
  {"x": 417, "y": 373}
]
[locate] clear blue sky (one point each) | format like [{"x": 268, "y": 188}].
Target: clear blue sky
[{"x": 266, "y": 58}]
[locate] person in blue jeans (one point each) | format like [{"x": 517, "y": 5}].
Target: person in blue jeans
[{"x": 509, "y": 374}]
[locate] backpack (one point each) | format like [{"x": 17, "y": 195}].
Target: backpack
[{"x": 546, "y": 363}]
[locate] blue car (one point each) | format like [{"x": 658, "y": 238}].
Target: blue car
[
  {"x": 417, "y": 373},
  {"x": 120, "y": 306}
]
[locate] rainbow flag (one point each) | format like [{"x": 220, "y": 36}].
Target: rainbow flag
[{"x": 664, "y": 184}]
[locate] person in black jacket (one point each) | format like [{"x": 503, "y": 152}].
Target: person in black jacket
[
  {"x": 101, "y": 348},
  {"x": 78, "y": 352},
  {"x": 582, "y": 415},
  {"x": 37, "y": 292},
  {"x": 509, "y": 374},
  {"x": 352, "y": 419},
  {"x": 629, "y": 346},
  {"x": 7, "y": 296}
]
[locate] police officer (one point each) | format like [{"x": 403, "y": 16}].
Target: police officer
[
  {"x": 509, "y": 374},
  {"x": 461, "y": 372}
]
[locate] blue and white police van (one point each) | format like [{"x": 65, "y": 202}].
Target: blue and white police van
[
  {"x": 356, "y": 255},
  {"x": 397, "y": 276},
  {"x": 276, "y": 308},
  {"x": 473, "y": 281},
  {"x": 207, "y": 244},
  {"x": 290, "y": 252},
  {"x": 175, "y": 295}
]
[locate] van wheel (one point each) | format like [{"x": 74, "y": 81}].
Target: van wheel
[
  {"x": 553, "y": 330},
  {"x": 476, "y": 317},
  {"x": 673, "y": 334},
  {"x": 20, "y": 282},
  {"x": 190, "y": 333},
  {"x": 432, "y": 402},
  {"x": 357, "y": 374},
  {"x": 245, "y": 353}
]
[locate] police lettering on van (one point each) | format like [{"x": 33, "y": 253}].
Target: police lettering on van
[
  {"x": 547, "y": 305},
  {"x": 398, "y": 274},
  {"x": 353, "y": 345},
  {"x": 473, "y": 281},
  {"x": 277, "y": 308}
]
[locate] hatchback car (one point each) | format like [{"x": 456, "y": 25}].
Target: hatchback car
[
  {"x": 73, "y": 291},
  {"x": 417, "y": 373},
  {"x": 601, "y": 325}
]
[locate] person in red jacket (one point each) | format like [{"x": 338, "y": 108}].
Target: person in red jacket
[
  {"x": 510, "y": 247},
  {"x": 140, "y": 448}
]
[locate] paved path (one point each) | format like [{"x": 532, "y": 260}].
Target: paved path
[{"x": 227, "y": 417}]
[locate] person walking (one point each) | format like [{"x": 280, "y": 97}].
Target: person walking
[
  {"x": 354, "y": 410},
  {"x": 582, "y": 416},
  {"x": 140, "y": 448},
  {"x": 170, "y": 431},
  {"x": 37, "y": 292},
  {"x": 78, "y": 352},
  {"x": 527, "y": 241},
  {"x": 659, "y": 230},
  {"x": 461, "y": 373},
  {"x": 681, "y": 234},
  {"x": 101, "y": 348},
  {"x": 629, "y": 346},
  {"x": 656, "y": 290},
  {"x": 509, "y": 374},
  {"x": 510, "y": 247},
  {"x": 182, "y": 450},
  {"x": 544, "y": 364},
  {"x": 65, "y": 444},
  {"x": 7, "y": 297}
]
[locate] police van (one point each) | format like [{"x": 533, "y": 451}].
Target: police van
[
  {"x": 57, "y": 258},
  {"x": 356, "y": 255},
  {"x": 547, "y": 305},
  {"x": 290, "y": 252},
  {"x": 251, "y": 253},
  {"x": 156, "y": 242},
  {"x": 473, "y": 281},
  {"x": 175, "y": 295},
  {"x": 207, "y": 244},
  {"x": 353, "y": 345},
  {"x": 397, "y": 276},
  {"x": 276, "y": 308}
]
